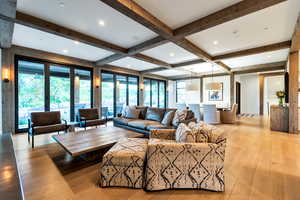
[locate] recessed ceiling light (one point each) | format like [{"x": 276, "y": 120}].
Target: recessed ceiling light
[
  {"x": 101, "y": 23},
  {"x": 76, "y": 42},
  {"x": 128, "y": 65},
  {"x": 216, "y": 42},
  {"x": 172, "y": 54},
  {"x": 269, "y": 56},
  {"x": 65, "y": 51},
  {"x": 61, "y": 4}
]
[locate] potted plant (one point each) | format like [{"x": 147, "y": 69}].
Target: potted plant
[{"x": 280, "y": 95}]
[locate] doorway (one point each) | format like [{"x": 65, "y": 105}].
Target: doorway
[{"x": 238, "y": 96}]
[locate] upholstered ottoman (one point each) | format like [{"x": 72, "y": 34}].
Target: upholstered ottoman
[{"x": 123, "y": 164}]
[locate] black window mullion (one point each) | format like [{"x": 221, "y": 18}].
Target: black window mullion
[
  {"x": 127, "y": 91},
  {"x": 150, "y": 93},
  {"x": 158, "y": 93},
  {"x": 72, "y": 95},
  {"x": 47, "y": 86},
  {"x": 115, "y": 95}
]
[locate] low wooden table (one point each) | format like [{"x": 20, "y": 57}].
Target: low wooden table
[{"x": 92, "y": 140}]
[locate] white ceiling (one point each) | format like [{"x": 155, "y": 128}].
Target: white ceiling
[
  {"x": 176, "y": 13},
  {"x": 135, "y": 64},
  {"x": 263, "y": 58},
  {"x": 271, "y": 25},
  {"x": 83, "y": 16},
  {"x": 35, "y": 39},
  {"x": 171, "y": 72},
  {"x": 170, "y": 53},
  {"x": 203, "y": 67}
]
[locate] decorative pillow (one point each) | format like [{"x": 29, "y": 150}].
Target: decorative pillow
[
  {"x": 143, "y": 111},
  {"x": 125, "y": 110},
  {"x": 168, "y": 117},
  {"x": 201, "y": 131},
  {"x": 184, "y": 134},
  {"x": 180, "y": 116},
  {"x": 132, "y": 113},
  {"x": 155, "y": 114}
]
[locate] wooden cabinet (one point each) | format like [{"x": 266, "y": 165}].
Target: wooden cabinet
[{"x": 279, "y": 118}]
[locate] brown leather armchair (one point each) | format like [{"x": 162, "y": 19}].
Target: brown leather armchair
[
  {"x": 90, "y": 117},
  {"x": 43, "y": 123},
  {"x": 229, "y": 116}
]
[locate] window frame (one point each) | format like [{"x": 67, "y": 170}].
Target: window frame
[
  {"x": 158, "y": 89},
  {"x": 115, "y": 74},
  {"x": 47, "y": 64}
]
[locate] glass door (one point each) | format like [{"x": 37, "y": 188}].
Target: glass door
[
  {"x": 121, "y": 92},
  {"x": 162, "y": 94},
  {"x": 154, "y": 89},
  {"x": 60, "y": 91},
  {"x": 30, "y": 91},
  {"x": 133, "y": 94},
  {"x": 107, "y": 92}
]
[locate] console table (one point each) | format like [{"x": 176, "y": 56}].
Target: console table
[{"x": 279, "y": 118}]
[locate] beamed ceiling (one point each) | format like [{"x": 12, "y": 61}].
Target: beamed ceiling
[{"x": 171, "y": 38}]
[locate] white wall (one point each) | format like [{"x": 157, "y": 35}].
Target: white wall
[
  {"x": 249, "y": 93},
  {"x": 226, "y": 91},
  {"x": 272, "y": 85}
]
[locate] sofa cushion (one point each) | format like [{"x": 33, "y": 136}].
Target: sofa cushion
[
  {"x": 141, "y": 124},
  {"x": 179, "y": 116},
  {"x": 158, "y": 126},
  {"x": 155, "y": 114},
  {"x": 132, "y": 113},
  {"x": 184, "y": 134},
  {"x": 45, "y": 118},
  {"x": 143, "y": 111},
  {"x": 122, "y": 120},
  {"x": 49, "y": 128},
  {"x": 125, "y": 110},
  {"x": 168, "y": 118}
]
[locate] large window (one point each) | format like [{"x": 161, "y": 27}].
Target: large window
[
  {"x": 180, "y": 91},
  {"x": 45, "y": 86},
  {"x": 118, "y": 90},
  {"x": 154, "y": 93}
]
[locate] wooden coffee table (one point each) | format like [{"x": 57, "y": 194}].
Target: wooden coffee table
[{"x": 92, "y": 140}]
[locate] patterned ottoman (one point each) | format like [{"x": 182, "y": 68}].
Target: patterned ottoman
[{"x": 123, "y": 164}]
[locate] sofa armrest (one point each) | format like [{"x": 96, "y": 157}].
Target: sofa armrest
[{"x": 166, "y": 134}]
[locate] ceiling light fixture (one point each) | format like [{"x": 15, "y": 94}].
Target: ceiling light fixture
[
  {"x": 101, "y": 23},
  {"x": 76, "y": 42},
  {"x": 216, "y": 42},
  {"x": 172, "y": 54},
  {"x": 65, "y": 51},
  {"x": 213, "y": 85}
]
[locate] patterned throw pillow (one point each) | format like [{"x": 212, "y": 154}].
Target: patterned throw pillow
[
  {"x": 180, "y": 116},
  {"x": 184, "y": 134},
  {"x": 202, "y": 131},
  {"x": 168, "y": 117},
  {"x": 132, "y": 113}
]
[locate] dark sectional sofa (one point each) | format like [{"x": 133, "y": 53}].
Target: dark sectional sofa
[{"x": 149, "y": 118}]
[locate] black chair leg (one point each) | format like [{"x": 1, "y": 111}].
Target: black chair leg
[
  {"x": 28, "y": 137},
  {"x": 32, "y": 142}
]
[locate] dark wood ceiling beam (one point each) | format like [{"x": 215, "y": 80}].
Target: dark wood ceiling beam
[
  {"x": 296, "y": 37},
  {"x": 135, "y": 12},
  {"x": 149, "y": 71},
  {"x": 151, "y": 60},
  {"x": 230, "y": 13},
  {"x": 187, "y": 63},
  {"x": 132, "y": 10},
  {"x": 110, "y": 59},
  {"x": 223, "y": 65},
  {"x": 149, "y": 44},
  {"x": 242, "y": 70},
  {"x": 257, "y": 50},
  {"x": 7, "y": 9},
  {"x": 49, "y": 27}
]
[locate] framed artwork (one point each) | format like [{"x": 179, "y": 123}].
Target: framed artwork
[{"x": 216, "y": 95}]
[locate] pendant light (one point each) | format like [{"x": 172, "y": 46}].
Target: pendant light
[
  {"x": 190, "y": 86},
  {"x": 213, "y": 85}
]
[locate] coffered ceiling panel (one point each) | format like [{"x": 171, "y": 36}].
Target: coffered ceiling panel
[
  {"x": 91, "y": 17},
  {"x": 35, "y": 39},
  {"x": 170, "y": 53},
  {"x": 176, "y": 13},
  {"x": 172, "y": 72},
  {"x": 132, "y": 63},
  {"x": 204, "y": 67},
  {"x": 268, "y": 26},
  {"x": 262, "y": 58}
]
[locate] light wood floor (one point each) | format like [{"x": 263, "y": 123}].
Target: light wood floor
[{"x": 260, "y": 164}]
